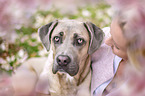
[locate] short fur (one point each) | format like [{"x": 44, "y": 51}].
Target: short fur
[{"x": 71, "y": 40}]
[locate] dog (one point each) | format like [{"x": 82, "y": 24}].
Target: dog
[{"x": 67, "y": 70}]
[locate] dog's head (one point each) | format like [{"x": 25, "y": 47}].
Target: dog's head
[{"x": 71, "y": 42}]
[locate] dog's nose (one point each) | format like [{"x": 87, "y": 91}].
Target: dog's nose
[{"x": 63, "y": 60}]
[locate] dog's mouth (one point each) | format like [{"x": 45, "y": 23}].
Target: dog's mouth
[
  {"x": 57, "y": 68},
  {"x": 71, "y": 70},
  {"x": 61, "y": 70}
]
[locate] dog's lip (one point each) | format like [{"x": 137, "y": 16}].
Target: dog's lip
[
  {"x": 70, "y": 72},
  {"x": 59, "y": 68},
  {"x": 54, "y": 71}
]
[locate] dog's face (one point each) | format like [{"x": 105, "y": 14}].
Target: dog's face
[{"x": 71, "y": 42}]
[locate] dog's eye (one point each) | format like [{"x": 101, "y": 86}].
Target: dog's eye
[
  {"x": 80, "y": 41},
  {"x": 57, "y": 40}
]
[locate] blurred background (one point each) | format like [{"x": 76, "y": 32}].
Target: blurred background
[{"x": 20, "y": 20}]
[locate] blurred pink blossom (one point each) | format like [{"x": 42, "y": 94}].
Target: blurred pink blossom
[
  {"x": 15, "y": 13},
  {"x": 26, "y": 4},
  {"x": 6, "y": 88},
  {"x": 44, "y": 4},
  {"x": 4, "y": 16},
  {"x": 122, "y": 4}
]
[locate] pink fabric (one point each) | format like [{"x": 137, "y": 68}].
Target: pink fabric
[{"x": 102, "y": 63}]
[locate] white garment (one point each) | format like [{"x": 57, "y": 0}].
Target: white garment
[
  {"x": 102, "y": 66},
  {"x": 99, "y": 90}
]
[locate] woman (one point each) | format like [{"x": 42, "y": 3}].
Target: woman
[
  {"x": 118, "y": 43},
  {"x": 127, "y": 41}
]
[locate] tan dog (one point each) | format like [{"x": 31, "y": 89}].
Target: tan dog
[{"x": 66, "y": 71}]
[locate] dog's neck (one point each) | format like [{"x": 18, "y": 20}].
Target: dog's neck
[
  {"x": 83, "y": 73},
  {"x": 67, "y": 83}
]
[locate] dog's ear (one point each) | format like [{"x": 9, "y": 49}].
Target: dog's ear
[
  {"x": 96, "y": 36},
  {"x": 45, "y": 33}
]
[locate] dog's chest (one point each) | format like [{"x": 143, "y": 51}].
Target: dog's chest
[{"x": 68, "y": 85}]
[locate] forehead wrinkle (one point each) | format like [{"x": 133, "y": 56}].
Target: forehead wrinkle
[
  {"x": 81, "y": 31},
  {"x": 59, "y": 29},
  {"x": 71, "y": 28}
]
